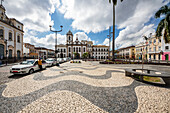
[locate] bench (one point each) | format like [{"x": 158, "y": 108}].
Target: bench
[{"x": 151, "y": 73}]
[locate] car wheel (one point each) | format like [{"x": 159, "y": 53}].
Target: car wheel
[{"x": 31, "y": 71}]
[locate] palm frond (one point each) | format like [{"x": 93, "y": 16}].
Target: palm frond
[
  {"x": 160, "y": 28},
  {"x": 161, "y": 11}
]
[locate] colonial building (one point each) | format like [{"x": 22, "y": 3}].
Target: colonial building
[
  {"x": 11, "y": 36},
  {"x": 126, "y": 53},
  {"x": 30, "y": 51},
  {"x": 44, "y": 52},
  {"x": 154, "y": 48},
  {"x": 76, "y": 49}
]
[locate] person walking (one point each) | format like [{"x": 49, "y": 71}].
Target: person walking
[{"x": 40, "y": 63}]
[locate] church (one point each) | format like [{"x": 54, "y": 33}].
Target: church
[{"x": 76, "y": 49}]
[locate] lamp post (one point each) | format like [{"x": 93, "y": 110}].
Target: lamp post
[
  {"x": 56, "y": 39},
  {"x": 109, "y": 37}
]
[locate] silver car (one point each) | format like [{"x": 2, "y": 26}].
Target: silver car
[
  {"x": 28, "y": 66},
  {"x": 51, "y": 62}
]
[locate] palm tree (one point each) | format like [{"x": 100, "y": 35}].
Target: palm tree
[
  {"x": 113, "y": 41},
  {"x": 164, "y": 23}
]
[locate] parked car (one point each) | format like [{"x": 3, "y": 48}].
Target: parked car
[
  {"x": 51, "y": 62},
  {"x": 28, "y": 66},
  {"x": 60, "y": 60},
  {"x": 65, "y": 59}
]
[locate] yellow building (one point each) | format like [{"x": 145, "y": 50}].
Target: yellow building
[
  {"x": 126, "y": 53},
  {"x": 154, "y": 48}
]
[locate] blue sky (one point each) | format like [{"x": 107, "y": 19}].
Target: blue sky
[{"x": 90, "y": 19}]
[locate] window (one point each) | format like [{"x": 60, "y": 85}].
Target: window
[
  {"x": 150, "y": 42},
  {"x": 159, "y": 48},
  {"x": 18, "y": 39},
  {"x": 166, "y": 47},
  {"x": 69, "y": 49},
  {"x": 74, "y": 49},
  {"x": 64, "y": 50},
  {"x": 160, "y": 40},
  {"x": 10, "y": 36},
  {"x": 79, "y": 49},
  {"x": 69, "y": 38},
  {"x": 1, "y": 34},
  {"x": 84, "y": 49},
  {"x": 154, "y": 40}
]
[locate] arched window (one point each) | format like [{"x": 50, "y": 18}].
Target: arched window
[
  {"x": 69, "y": 38},
  {"x": 10, "y": 36},
  {"x": 10, "y": 53},
  {"x": 18, "y": 39},
  {"x": 74, "y": 49},
  {"x": 79, "y": 49},
  {"x": 1, "y": 34},
  {"x": 1, "y": 51},
  {"x": 69, "y": 49},
  {"x": 84, "y": 49},
  {"x": 18, "y": 54}
]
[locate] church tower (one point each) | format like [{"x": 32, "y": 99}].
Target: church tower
[{"x": 69, "y": 37}]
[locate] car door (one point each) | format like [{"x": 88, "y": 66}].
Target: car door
[
  {"x": 36, "y": 67},
  {"x": 43, "y": 64}
]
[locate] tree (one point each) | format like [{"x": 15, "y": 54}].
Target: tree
[
  {"x": 76, "y": 55},
  {"x": 85, "y": 55},
  {"x": 164, "y": 23},
  {"x": 113, "y": 41}
]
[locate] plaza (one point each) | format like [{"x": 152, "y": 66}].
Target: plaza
[{"x": 85, "y": 87}]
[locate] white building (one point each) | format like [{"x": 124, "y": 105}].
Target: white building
[
  {"x": 78, "y": 48},
  {"x": 11, "y": 36}
]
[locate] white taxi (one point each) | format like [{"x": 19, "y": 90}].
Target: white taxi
[{"x": 28, "y": 66}]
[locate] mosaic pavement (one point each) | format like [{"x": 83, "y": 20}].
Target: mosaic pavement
[{"x": 85, "y": 87}]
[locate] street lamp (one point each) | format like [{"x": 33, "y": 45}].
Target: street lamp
[{"x": 56, "y": 39}]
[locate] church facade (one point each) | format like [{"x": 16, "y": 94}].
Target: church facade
[{"x": 76, "y": 49}]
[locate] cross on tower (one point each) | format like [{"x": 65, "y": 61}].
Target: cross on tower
[{"x": 2, "y": 1}]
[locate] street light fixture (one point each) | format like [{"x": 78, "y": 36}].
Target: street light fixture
[{"x": 56, "y": 39}]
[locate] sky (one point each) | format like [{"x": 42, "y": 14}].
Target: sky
[{"x": 90, "y": 19}]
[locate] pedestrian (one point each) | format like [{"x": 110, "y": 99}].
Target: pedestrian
[{"x": 40, "y": 63}]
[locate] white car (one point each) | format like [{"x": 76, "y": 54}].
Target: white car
[
  {"x": 65, "y": 59},
  {"x": 60, "y": 60},
  {"x": 28, "y": 66},
  {"x": 51, "y": 62}
]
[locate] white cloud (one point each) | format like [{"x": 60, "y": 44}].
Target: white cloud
[
  {"x": 96, "y": 15},
  {"x": 34, "y": 14},
  {"x": 48, "y": 41}
]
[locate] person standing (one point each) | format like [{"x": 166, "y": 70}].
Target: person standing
[{"x": 40, "y": 63}]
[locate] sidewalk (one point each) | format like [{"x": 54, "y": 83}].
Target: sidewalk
[{"x": 3, "y": 65}]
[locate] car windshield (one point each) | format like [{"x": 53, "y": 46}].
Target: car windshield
[
  {"x": 27, "y": 62},
  {"x": 50, "y": 60}
]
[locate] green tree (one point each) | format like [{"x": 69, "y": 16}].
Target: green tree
[
  {"x": 164, "y": 23},
  {"x": 76, "y": 55},
  {"x": 113, "y": 41},
  {"x": 85, "y": 55}
]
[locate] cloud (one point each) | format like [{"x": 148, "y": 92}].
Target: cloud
[
  {"x": 96, "y": 15},
  {"x": 48, "y": 41},
  {"x": 35, "y": 14}
]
